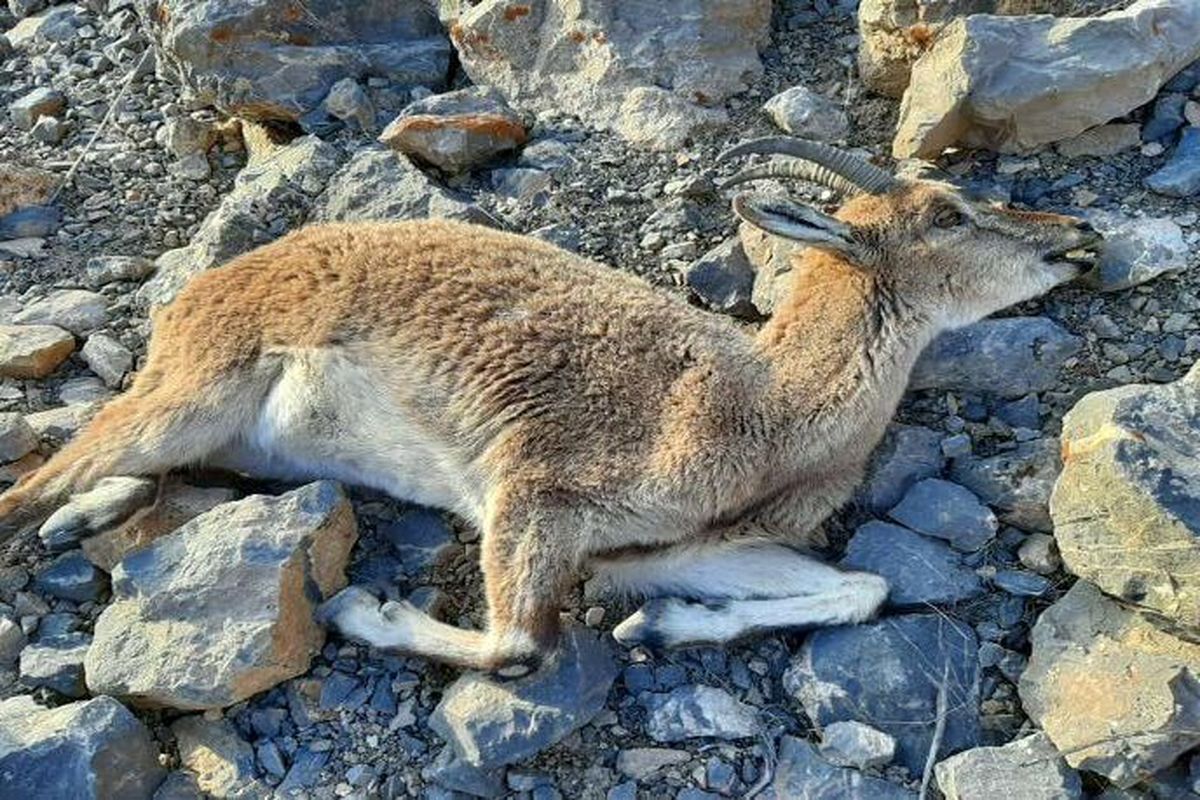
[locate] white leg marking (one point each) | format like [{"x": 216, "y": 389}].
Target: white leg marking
[{"x": 671, "y": 622}]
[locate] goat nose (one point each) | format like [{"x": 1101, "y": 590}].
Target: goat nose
[{"x": 1083, "y": 226}]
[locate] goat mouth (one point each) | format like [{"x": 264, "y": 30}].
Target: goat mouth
[{"x": 1082, "y": 255}]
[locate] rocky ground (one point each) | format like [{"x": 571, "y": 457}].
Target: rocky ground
[{"x": 1041, "y": 648}]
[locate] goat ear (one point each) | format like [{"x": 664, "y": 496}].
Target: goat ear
[{"x": 797, "y": 222}]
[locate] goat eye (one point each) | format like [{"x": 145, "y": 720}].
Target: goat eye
[{"x": 948, "y": 218}]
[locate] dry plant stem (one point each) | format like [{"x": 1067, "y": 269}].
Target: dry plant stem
[
  {"x": 939, "y": 730},
  {"x": 103, "y": 124}
]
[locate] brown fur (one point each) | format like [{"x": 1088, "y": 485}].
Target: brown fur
[{"x": 590, "y": 415}]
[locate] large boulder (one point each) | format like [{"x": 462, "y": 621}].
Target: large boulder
[
  {"x": 490, "y": 723},
  {"x": 280, "y": 185},
  {"x": 89, "y": 750},
  {"x": 652, "y": 72},
  {"x": 887, "y": 674},
  {"x": 1016, "y": 83},
  {"x": 224, "y": 607},
  {"x": 279, "y": 60},
  {"x": 1126, "y": 507},
  {"x": 1115, "y": 694}
]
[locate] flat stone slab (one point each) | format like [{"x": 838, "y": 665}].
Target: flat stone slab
[{"x": 490, "y": 723}]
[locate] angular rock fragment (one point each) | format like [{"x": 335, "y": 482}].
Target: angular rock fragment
[
  {"x": 108, "y": 358},
  {"x": 687, "y": 712},
  {"x": 278, "y": 61},
  {"x": 1010, "y": 357},
  {"x": 33, "y": 351},
  {"x": 1015, "y": 83},
  {"x": 76, "y": 310},
  {"x": 886, "y": 674},
  {"x": 1127, "y": 506},
  {"x": 1116, "y": 695},
  {"x": 724, "y": 279},
  {"x": 1180, "y": 176},
  {"x": 224, "y": 607},
  {"x": 1017, "y": 482},
  {"x": 1136, "y": 250},
  {"x": 458, "y": 130},
  {"x": 948, "y": 511},
  {"x": 919, "y": 570},
  {"x": 43, "y": 102},
  {"x": 908, "y": 454},
  {"x": 377, "y": 184},
  {"x": 491, "y": 723},
  {"x": 801, "y": 773},
  {"x": 222, "y": 762},
  {"x": 1027, "y": 769},
  {"x": 90, "y": 750},
  {"x": 653, "y": 73},
  {"x": 853, "y": 744},
  {"x": 804, "y": 113},
  {"x": 56, "y": 663},
  {"x": 17, "y": 438}
]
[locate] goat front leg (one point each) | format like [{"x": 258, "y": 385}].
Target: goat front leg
[
  {"x": 736, "y": 590},
  {"x": 526, "y": 573}
]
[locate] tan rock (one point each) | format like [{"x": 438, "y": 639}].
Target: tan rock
[
  {"x": 1116, "y": 695},
  {"x": 223, "y": 608},
  {"x": 24, "y": 186},
  {"x": 33, "y": 351},
  {"x": 1125, "y": 506}
]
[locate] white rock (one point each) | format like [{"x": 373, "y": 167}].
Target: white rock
[
  {"x": 802, "y": 112},
  {"x": 856, "y": 744},
  {"x": 17, "y": 438},
  {"x": 108, "y": 358},
  {"x": 76, "y": 310}
]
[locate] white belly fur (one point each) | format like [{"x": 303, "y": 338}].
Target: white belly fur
[{"x": 329, "y": 417}]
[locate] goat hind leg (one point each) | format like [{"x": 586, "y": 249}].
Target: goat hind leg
[
  {"x": 760, "y": 588},
  {"x": 524, "y": 581}
]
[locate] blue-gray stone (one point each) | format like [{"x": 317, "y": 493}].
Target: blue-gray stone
[
  {"x": 724, "y": 279},
  {"x": 668, "y": 676},
  {"x": 1021, "y": 583},
  {"x": 72, "y": 577},
  {"x": 948, "y": 511},
  {"x": 1018, "y": 482},
  {"x": 802, "y": 773},
  {"x": 491, "y": 723},
  {"x": 1185, "y": 80},
  {"x": 720, "y": 776},
  {"x": 56, "y": 664},
  {"x": 337, "y": 689},
  {"x": 88, "y": 750},
  {"x": 31, "y": 221},
  {"x": 907, "y": 454},
  {"x": 267, "y": 722},
  {"x": 1009, "y": 357},
  {"x": 179, "y": 785},
  {"x": 623, "y": 791},
  {"x": 421, "y": 538},
  {"x": 53, "y": 626},
  {"x": 305, "y": 770},
  {"x": 1166, "y": 118},
  {"x": 886, "y": 674},
  {"x": 638, "y": 678},
  {"x": 270, "y": 759},
  {"x": 383, "y": 699},
  {"x": 692, "y": 793},
  {"x": 919, "y": 570},
  {"x": 1021, "y": 413},
  {"x": 1025, "y": 769},
  {"x": 453, "y": 773},
  {"x": 1180, "y": 176}
]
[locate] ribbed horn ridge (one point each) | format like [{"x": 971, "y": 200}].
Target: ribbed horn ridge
[{"x": 820, "y": 163}]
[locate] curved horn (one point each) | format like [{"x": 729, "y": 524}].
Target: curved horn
[{"x": 829, "y": 166}]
